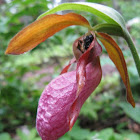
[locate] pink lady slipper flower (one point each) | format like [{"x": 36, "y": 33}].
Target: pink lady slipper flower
[{"x": 62, "y": 99}]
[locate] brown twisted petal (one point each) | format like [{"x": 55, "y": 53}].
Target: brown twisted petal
[
  {"x": 117, "y": 57},
  {"x": 40, "y": 30}
]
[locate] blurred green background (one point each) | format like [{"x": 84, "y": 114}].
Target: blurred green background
[{"x": 105, "y": 116}]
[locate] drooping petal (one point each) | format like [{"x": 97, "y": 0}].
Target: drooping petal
[
  {"x": 117, "y": 57},
  {"x": 40, "y": 30},
  {"x": 59, "y": 106}
]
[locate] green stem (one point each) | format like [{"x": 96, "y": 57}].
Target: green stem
[{"x": 133, "y": 50}]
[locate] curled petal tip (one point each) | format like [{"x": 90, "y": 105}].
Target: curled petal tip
[
  {"x": 6, "y": 52},
  {"x": 131, "y": 101},
  {"x": 133, "y": 104}
]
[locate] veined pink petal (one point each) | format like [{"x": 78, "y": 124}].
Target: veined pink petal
[{"x": 59, "y": 106}]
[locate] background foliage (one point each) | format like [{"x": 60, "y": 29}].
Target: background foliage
[{"x": 105, "y": 116}]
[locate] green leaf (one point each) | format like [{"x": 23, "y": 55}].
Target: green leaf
[
  {"x": 78, "y": 133},
  {"x": 118, "y": 136},
  {"x": 108, "y": 14},
  {"x": 107, "y": 134},
  {"x": 37, "y": 138},
  {"x": 133, "y": 136},
  {"x": 22, "y": 135},
  {"x": 133, "y": 113},
  {"x": 32, "y": 134},
  {"x": 5, "y": 136}
]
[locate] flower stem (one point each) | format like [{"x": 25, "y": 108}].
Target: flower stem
[{"x": 133, "y": 50}]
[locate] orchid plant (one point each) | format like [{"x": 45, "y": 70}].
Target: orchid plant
[{"x": 63, "y": 97}]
